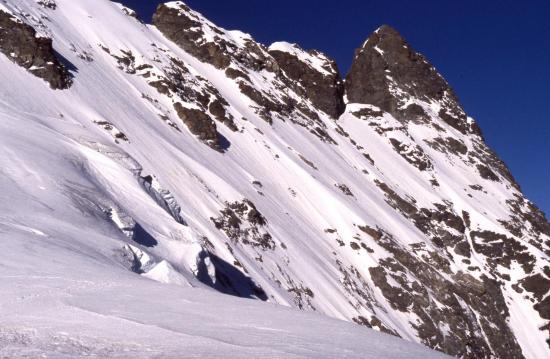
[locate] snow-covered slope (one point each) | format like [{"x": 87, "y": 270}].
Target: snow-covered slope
[
  {"x": 97, "y": 309},
  {"x": 190, "y": 155}
]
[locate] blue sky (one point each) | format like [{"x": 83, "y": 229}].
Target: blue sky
[{"x": 495, "y": 54}]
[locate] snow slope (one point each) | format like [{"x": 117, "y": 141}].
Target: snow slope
[
  {"x": 105, "y": 186},
  {"x": 99, "y": 310}
]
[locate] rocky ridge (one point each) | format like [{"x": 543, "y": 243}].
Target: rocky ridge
[{"x": 389, "y": 77}]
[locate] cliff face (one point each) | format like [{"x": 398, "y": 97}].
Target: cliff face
[
  {"x": 390, "y": 77},
  {"x": 313, "y": 76},
  {"x": 211, "y": 160},
  {"x": 387, "y": 72},
  {"x": 20, "y": 42}
]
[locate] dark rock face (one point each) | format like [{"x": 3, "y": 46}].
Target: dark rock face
[
  {"x": 189, "y": 31},
  {"x": 449, "y": 145},
  {"x": 524, "y": 212},
  {"x": 324, "y": 90},
  {"x": 50, "y": 4},
  {"x": 485, "y": 172},
  {"x": 489, "y": 158},
  {"x": 19, "y": 43},
  {"x": 243, "y": 57},
  {"x": 199, "y": 123},
  {"x": 449, "y": 230},
  {"x": 431, "y": 286},
  {"x": 501, "y": 250},
  {"x": 183, "y": 28},
  {"x": 267, "y": 105},
  {"x": 385, "y": 62}
]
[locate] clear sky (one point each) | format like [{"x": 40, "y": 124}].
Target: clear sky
[{"x": 494, "y": 53}]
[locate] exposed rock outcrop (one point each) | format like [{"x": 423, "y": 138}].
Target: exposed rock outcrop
[
  {"x": 387, "y": 72},
  {"x": 21, "y": 44},
  {"x": 251, "y": 65},
  {"x": 207, "y": 42},
  {"x": 199, "y": 123},
  {"x": 314, "y": 76},
  {"x": 243, "y": 223},
  {"x": 49, "y": 4}
]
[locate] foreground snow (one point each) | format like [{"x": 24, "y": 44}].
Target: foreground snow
[{"x": 97, "y": 311}]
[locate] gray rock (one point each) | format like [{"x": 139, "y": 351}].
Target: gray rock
[
  {"x": 387, "y": 60},
  {"x": 18, "y": 41},
  {"x": 199, "y": 123},
  {"x": 325, "y": 92}
]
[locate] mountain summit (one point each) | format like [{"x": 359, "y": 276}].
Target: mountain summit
[
  {"x": 152, "y": 174},
  {"x": 388, "y": 73}
]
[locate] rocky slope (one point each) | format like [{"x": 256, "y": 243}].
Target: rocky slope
[
  {"x": 210, "y": 160},
  {"x": 21, "y": 43}
]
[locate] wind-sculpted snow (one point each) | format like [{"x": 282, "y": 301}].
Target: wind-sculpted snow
[
  {"x": 195, "y": 157},
  {"x": 115, "y": 315}
]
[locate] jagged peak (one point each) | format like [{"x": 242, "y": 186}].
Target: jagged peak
[
  {"x": 177, "y": 5},
  {"x": 386, "y": 31},
  {"x": 388, "y": 73},
  {"x": 386, "y": 46}
]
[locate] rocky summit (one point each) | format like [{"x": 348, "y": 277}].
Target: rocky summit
[
  {"x": 191, "y": 155},
  {"x": 387, "y": 72}
]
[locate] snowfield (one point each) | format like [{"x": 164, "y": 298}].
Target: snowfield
[
  {"x": 105, "y": 313},
  {"x": 126, "y": 235}
]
